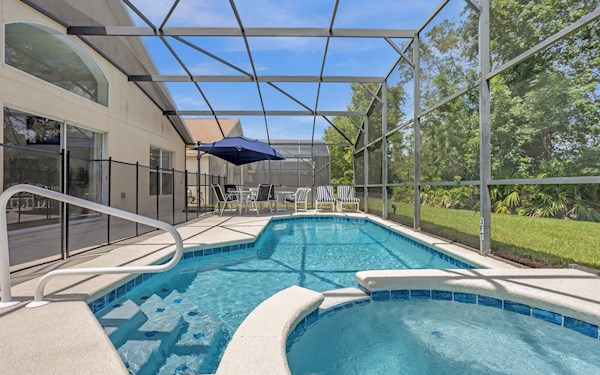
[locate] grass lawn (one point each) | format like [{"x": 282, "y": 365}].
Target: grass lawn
[{"x": 521, "y": 238}]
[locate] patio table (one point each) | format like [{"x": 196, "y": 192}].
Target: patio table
[
  {"x": 242, "y": 195},
  {"x": 282, "y": 194}
]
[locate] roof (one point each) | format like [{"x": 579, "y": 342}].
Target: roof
[{"x": 206, "y": 130}]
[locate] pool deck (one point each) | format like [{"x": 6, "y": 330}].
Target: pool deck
[{"x": 65, "y": 337}]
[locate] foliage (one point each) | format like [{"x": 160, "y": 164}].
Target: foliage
[
  {"x": 548, "y": 242},
  {"x": 342, "y": 157},
  {"x": 545, "y": 112}
]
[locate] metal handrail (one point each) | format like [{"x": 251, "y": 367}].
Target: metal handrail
[{"x": 38, "y": 299}]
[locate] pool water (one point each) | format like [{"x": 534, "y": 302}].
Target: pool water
[
  {"x": 440, "y": 337},
  {"x": 180, "y": 321}
]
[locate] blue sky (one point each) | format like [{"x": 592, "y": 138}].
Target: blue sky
[{"x": 279, "y": 56}]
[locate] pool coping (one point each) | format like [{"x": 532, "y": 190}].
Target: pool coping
[
  {"x": 537, "y": 288},
  {"x": 510, "y": 290},
  {"x": 70, "y": 293},
  {"x": 258, "y": 346}
]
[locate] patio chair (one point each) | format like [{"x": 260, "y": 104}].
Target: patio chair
[
  {"x": 190, "y": 197},
  {"x": 301, "y": 196},
  {"x": 325, "y": 197},
  {"x": 346, "y": 195},
  {"x": 229, "y": 188},
  {"x": 262, "y": 195},
  {"x": 272, "y": 196},
  {"x": 250, "y": 196},
  {"x": 223, "y": 199}
]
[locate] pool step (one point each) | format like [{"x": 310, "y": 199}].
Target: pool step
[
  {"x": 121, "y": 318},
  {"x": 136, "y": 355},
  {"x": 161, "y": 317},
  {"x": 204, "y": 333},
  {"x": 183, "y": 364},
  {"x": 144, "y": 352}
]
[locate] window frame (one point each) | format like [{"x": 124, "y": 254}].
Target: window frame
[
  {"x": 162, "y": 171},
  {"x": 102, "y": 95}
]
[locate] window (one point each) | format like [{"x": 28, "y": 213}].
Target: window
[
  {"x": 161, "y": 181},
  {"x": 32, "y": 155},
  {"x": 55, "y": 58}
]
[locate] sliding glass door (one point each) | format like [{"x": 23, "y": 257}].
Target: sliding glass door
[{"x": 32, "y": 155}]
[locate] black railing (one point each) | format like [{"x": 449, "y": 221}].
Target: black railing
[{"x": 42, "y": 230}]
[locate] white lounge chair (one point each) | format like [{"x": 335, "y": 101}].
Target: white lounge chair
[
  {"x": 301, "y": 196},
  {"x": 223, "y": 199},
  {"x": 346, "y": 195},
  {"x": 325, "y": 197}
]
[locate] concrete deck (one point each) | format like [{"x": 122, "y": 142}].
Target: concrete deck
[{"x": 65, "y": 337}]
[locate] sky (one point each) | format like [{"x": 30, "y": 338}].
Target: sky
[{"x": 278, "y": 56}]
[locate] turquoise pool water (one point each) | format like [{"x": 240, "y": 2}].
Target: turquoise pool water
[
  {"x": 440, "y": 337},
  {"x": 180, "y": 321}
]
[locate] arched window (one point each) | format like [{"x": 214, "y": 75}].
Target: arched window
[{"x": 55, "y": 58}]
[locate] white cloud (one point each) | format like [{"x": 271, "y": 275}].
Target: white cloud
[{"x": 187, "y": 102}]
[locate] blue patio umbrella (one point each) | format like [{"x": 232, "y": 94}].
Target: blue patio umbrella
[{"x": 240, "y": 150}]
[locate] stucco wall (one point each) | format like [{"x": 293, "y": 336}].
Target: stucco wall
[{"x": 131, "y": 122}]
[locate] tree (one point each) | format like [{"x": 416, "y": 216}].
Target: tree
[
  {"x": 342, "y": 157},
  {"x": 545, "y": 110}
]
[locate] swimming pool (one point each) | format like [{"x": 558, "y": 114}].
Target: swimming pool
[
  {"x": 419, "y": 336},
  {"x": 180, "y": 321}
]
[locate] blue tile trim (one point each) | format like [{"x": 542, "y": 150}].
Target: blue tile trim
[
  {"x": 400, "y": 294},
  {"x": 577, "y": 325},
  {"x": 100, "y": 302},
  {"x": 420, "y": 294},
  {"x": 490, "y": 301},
  {"x": 383, "y": 295},
  {"x": 582, "y": 327},
  {"x": 548, "y": 316},
  {"x": 441, "y": 295},
  {"x": 517, "y": 307},
  {"x": 465, "y": 297},
  {"x": 312, "y": 317}
]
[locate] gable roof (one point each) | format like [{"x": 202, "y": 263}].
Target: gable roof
[{"x": 206, "y": 130}]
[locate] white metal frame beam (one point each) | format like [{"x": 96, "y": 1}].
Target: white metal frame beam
[
  {"x": 260, "y": 113},
  {"x": 546, "y": 42},
  {"x": 250, "y": 78},
  {"x": 485, "y": 166},
  {"x": 236, "y": 32},
  {"x": 323, "y": 62},
  {"x": 474, "y": 5},
  {"x": 417, "y": 133},
  {"x": 400, "y": 52},
  {"x": 244, "y": 36},
  {"x": 175, "y": 55}
]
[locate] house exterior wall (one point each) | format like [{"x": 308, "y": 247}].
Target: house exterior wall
[{"x": 131, "y": 123}]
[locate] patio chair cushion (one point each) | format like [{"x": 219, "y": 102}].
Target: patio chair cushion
[
  {"x": 349, "y": 199},
  {"x": 346, "y": 194},
  {"x": 263, "y": 193},
  {"x": 325, "y": 194}
]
